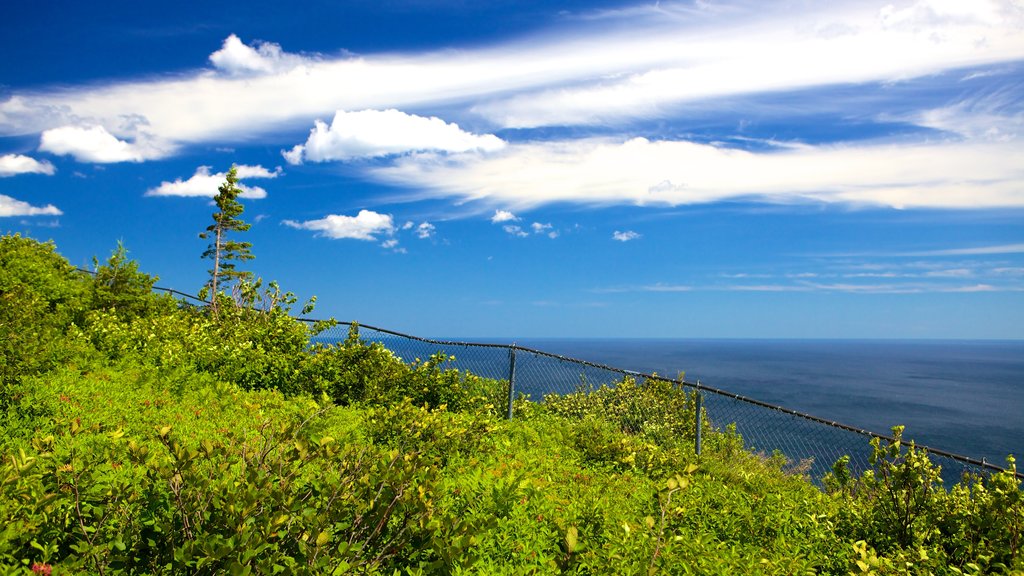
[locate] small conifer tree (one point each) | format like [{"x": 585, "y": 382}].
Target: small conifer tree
[{"x": 224, "y": 252}]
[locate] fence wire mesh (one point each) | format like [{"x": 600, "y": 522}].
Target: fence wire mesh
[
  {"x": 809, "y": 443},
  {"x": 806, "y": 441}
]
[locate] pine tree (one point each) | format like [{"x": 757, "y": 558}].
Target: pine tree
[{"x": 225, "y": 252}]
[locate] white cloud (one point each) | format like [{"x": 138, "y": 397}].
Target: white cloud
[
  {"x": 1000, "y": 249},
  {"x": 425, "y": 230},
  {"x": 625, "y": 236},
  {"x": 205, "y": 184},
  {"x": 96, "y": 144},
  {"x": 657, "y": 287},
  {"x": 736, "y": 52},
  {"x": 515, "y": 230},
  {"x": 503, "y": 216},
  {"x": 638, "y": 171},
  {"x": 12, "y": 207},
  {"x": 12, "y": 164},
  {"x": 236, "y": 58},
  {"x": 625, "y": 67},
  {"x": 968, "y": 251},
  {"x": 546, "y": 229},
  {"x": 375, "y": 133},
  {"x": 245, "y": 171},
  {"x": 367, "y": 225},
  {"x": 847, "y": 288},
  {"x": 633, "y": 64}
]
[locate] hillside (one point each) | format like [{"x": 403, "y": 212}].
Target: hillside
[{"x": 143, "y": 436}]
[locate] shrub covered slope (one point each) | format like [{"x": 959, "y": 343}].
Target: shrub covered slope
[{"x": 141, "y": 436}]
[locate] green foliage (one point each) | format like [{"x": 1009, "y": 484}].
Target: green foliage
[
  {"x": 368, "y": 373},
  {"x": 119, "y": 286},
  {"x": 139, "y": 437},
  {"x": 41, "y": 295},
  {"x": 656, "y": 409},
  {"x": 904, "y": 522}
]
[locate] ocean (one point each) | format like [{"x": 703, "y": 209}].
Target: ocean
[{"x": 965, "y": 397}]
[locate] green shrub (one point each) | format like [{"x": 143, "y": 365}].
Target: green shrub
[
  {"x": 139, "y": 437},
  {"x": 41, "y": 295},
  {"x": 656, "y": 409}
]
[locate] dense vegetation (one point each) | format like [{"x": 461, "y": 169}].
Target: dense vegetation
[{"x": 140, "y": 435}]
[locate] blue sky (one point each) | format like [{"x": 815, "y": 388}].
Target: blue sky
[{"x": 504, "y": 169}]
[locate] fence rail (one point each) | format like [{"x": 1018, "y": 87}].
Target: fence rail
[
  {"x": 802, "y": 438},
  {"x": 768, "y": 428}
]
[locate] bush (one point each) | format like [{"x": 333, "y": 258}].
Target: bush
[
  {"x": 141, "y": 437},
  {"x": 656, "y": 409},
  {"x": 901, "y": 516},
  {"x": 41, "y": 295}
]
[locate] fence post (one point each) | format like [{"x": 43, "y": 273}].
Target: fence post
[
  {"x": 697, "y": 403},
  {"x": 511, "y": 378}
]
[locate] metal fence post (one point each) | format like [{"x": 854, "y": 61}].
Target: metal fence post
[
  {"x": 697, "y": 404},
  {"x": 511, "y": 378}
]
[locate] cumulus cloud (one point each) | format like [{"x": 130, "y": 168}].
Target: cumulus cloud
[
  {"x": 257, "y": 171},
  {"x": 625, "y": 236},
  {"x": 236, "y": 58},
  {"x": 425, "y": 230},
  {"x": 367, "y": 225},
  {"x": 503, "y": 216},
  {"x": 96, "y": 144},
  {"x": 205, "y": 183},
  {"x": 13, "y": 164},
  {"x": 376, "y": 133},
  {"x": 13, "y": 207},
  {"x": 638, "y": 171}
]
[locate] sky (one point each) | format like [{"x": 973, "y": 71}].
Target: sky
[{"x": 693, "y": 169}]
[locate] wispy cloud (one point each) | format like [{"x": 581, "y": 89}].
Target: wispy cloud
[
  {"x": 643, "y": 172},
  {"x": 973, "y": 251},
  {"x": 657, "y": 287},
  {"x": 627, "y": 66},
  {"x": 515, "y": 230},
  {"x": 837, "y": 287},
  {"x": 615, "y": 69},
  {"x": 969, "y": 273},
  {"x": 625, "y": 235},
  {"x": 734, "y": 51},
  {"x": 547, "y": 229}
]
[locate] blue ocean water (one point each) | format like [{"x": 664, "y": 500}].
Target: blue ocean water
[{"x": 965, "y": 397}]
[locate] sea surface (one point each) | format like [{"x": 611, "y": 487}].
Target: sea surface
[{"x": 965, "y": 397}]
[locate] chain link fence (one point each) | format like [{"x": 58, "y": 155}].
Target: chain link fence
[{"x": 808, "y": 443}]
